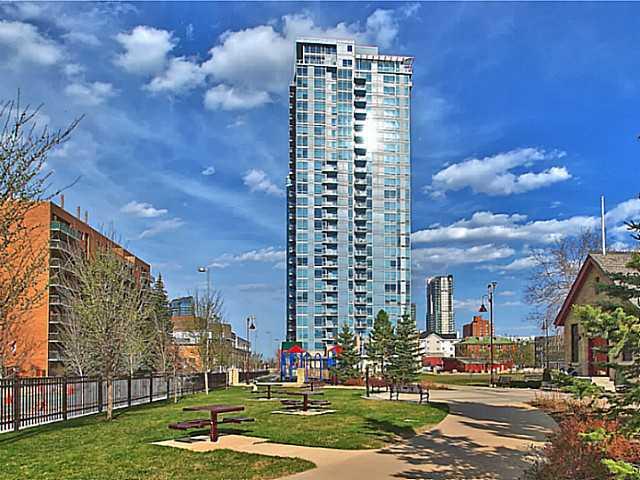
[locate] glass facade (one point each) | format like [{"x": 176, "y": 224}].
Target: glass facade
[
  {"x": 440, "y": 315},
  {"x": 348, "y": 190}
]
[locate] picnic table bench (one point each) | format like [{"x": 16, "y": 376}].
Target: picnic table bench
[
  {"x": 267, "y": 388},
  {"x": 414, "y": 388},
  {"x": 213, "y": 421},
  {"x": 305, "y": 403}
]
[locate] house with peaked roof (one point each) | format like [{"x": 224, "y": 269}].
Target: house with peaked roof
[{"x": 581, "y": 352}]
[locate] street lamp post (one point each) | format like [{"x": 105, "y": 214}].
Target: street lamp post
[
  {"x": 251, "y": 325},
  {"x": 491, "y": 288},
  {"x": 207, "y": 328}
]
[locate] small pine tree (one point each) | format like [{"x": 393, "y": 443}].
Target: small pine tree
[
  {"x": 380, "y": 346},
  {"x": 404, "y": 367},
  {"x": 160, "y": 327},
  {"x": 348, "y": 358}
]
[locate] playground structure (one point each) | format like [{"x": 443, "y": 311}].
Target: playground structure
[{"x": 316, "y": 367}]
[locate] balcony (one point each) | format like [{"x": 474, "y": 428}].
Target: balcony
[
  {"x": 360, "y": 253},
  {"x": 329, "y": 228},
  {"x": 66, "y": 229},
  {"x": 360, "y": 277},
  {"x": 360, "y": 229},
  {"x": 360, "y": 150},
  {"x": 330, "y": 192},
  {"x": 330, "y": 252},
  {"x": 59, "y": 245},
  {"x": 360, "y": 116},
  {"x": 362, "y": 325},
  {"x": 360, "y": 265},
  {"x": 329, "y": 203},
  {"x": 360, "y": 103}
]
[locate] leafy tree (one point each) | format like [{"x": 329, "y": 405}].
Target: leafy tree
[
  {"x": 404, "y": 367},
  {"x": 617, "y": 319},
  {"x": 380, "y": 346},
  {"x": 107, "y": 307},
  {"x": 208, "y": 310},
  {"x": 348, "y": 359}
]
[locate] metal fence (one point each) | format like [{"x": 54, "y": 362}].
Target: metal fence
[{"x": 28, "y": 402}]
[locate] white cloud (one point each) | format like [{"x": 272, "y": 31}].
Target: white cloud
[
  {"x": 424, "y": 258},
  {"x": 142, "y": 209},
  {"x": 73, "y": 69},
  {"x": 189, "y": 32},
  {"x": 162, "y": 226},
  {"x": 27, "y": 45},
  {"x": 259, "y": 287},
  {"x": 487, "y": 226},
  {"x": 624, "y": 211},
  {"x": 493, "y": 175},
  {"x": 84, "y": 38},
  {"x": 146, "y": 49},
  {"x": 257, "y": 181},
  {"x": 181, "y": 75},
  {"x": 229, "y": 98},
  {"x": 210, "y": 170},
  {"x": 90, "y": 94},
  {"x": 258, "y": 59},
  {"x": 266, "y": 254},
  {"x": 523, "y": 263}
]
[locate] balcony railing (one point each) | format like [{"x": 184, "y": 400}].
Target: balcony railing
[{"x": 57, "y": 226}]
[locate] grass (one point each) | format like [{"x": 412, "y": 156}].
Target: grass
[{"x": 90, "y": 448}]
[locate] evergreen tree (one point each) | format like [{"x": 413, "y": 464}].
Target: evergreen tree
[
  {"x": 160, "y": 327},
  {"x": 404, "y": 367},
  {"x": 380, "y": 346},
  {"x": 616, "y": 319},
  {"x": 348, "y": 359}
]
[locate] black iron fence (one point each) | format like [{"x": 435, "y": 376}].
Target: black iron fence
[{"x": 28, "y": 402}]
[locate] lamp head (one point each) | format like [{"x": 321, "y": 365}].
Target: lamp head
[
  {"x": 482, "y": 308},
  {"x": 202, "y": 269}
]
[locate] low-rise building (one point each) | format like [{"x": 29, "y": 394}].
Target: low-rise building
[
  {"x": 37, "y": 348},
  {"x": 438, "y": 345},
  {"x": 550, "y": 350},
  {"x": 228, "y": 349},
  {"x": 582, "y": 353}
]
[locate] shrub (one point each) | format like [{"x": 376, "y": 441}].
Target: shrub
[
  {"x": 579, "y": 448},
  {"x": 353, "y": 382}
]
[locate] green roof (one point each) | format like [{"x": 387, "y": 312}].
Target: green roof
[{"x": 485, "y": 341}]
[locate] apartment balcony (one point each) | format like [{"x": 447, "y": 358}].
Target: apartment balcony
[
  {"x": 65, "y": 229},
  {"x": 360, "y": 253},
  {"x": 330, "y": 240},
  {"x": 329, "y": 168},
  {"x": 360, "y": 290},
  {"x": 360, "y": 116},
  {"x": 361, "y": 325},
  {"x": 330, "y": 265},
  {"x": 60, "y": 246},
  {"x": 360, "y": 218},
  {"x": 360, "y": 103},
  {"x": 330, "y": 192},
  {"x": 360, "y": 150},
  {"x": 360, "y": 241},
  {"x": 361, "y": 229},
  {"x": 329, "y": 277},
  {"x": 359, "y": 81},
  {"x": 360, "y": 277},
  {"x": 330, "y": 301},
  {"x": 330, "y": 252},
  {"x": 329, "y": 203},
  {"x": 329, "y": 228},
  {"x": 359, "y": 312},
  {"x": 360, "y": 170},
  {"x": 360, "y": 204},
  {"x": 360, "y": 265},
  {"x": 330, "y": 288}
]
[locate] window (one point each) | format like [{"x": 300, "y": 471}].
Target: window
[
  {"x": 346, "y": 63},
  {"x": 575, "y": 344},
  {"x": 349, "y": 48}
]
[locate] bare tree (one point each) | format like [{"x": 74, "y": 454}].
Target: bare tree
[
  {"x": 208, "y": 311},
  {"x": 108, "y": 306},
  {"x": 555, "y": 269},
  {"x": 24, "y": 182},
  {"x": 160, "y": 328}
]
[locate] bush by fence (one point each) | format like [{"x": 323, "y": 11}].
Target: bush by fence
[{"x": 28, "y": 402}]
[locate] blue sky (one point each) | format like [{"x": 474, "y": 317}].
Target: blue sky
[{"x": 523, "y": 114}]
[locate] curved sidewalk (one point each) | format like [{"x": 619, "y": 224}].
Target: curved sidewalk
[{"x": 487, "y": 435}]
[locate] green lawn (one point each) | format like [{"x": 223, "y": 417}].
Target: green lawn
[{"x": 91, "y": 449}]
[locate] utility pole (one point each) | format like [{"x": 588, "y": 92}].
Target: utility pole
[
  {"x": 491, "y": 291},
  {"x": 207, "y": 328}
]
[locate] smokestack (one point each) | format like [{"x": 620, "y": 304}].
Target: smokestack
[
  {"x": 78, "y": 213},
  {"x": 602, "y": 226},
  {"x": 62, "y": 201},
  {"x": 86, "y": 217}
]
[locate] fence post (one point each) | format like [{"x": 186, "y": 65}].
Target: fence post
[
  {"x": 64, "y": 398},
  {"x": 167, "y": 380},
  {"x": 99, "y": 382},
  {"x": 129, "y": 391},
  {"x": 16, "y": 404},
  {"x": 151, "y": 388}
]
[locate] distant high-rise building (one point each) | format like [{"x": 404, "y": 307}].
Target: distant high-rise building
[
  {"x": 414, "y": 313},
  {"x": 348, "y": 190},
  {"x": 440, "y": 317}
]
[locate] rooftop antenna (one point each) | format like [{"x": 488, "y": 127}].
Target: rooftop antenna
[{"x": 602, "y": 225}]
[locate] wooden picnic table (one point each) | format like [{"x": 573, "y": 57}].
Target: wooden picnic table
[
  {"x": 268, "y": 386},
  {"x": 214, "y": 411},
  {"x": 305, "y": 397}
]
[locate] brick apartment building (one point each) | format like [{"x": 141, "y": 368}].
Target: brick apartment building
[
  {"x": 478, "y": 327},
  {"x": 38, "y": 349},
  {"x": 187, "y": 336}
]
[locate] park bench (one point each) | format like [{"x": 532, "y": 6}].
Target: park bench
[
  {"x": 377, "y": 385},
  {"x": 206, "y": 422},
  {"x": 414, "y": 388},
  {"x": 504, "y": 381}
]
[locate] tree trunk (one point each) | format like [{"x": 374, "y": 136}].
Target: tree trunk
[
  {"x": 109, "y": 399},
  {"x": 206, "y": 382}
]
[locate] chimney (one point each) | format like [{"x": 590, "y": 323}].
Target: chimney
[
  {"x": 62, "y": 201},
  {"x": 86, "y": 217},
  {"x": 78, "y": 213}
]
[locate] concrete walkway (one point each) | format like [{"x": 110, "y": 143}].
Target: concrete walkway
[{"x": 487, "y": 436}]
